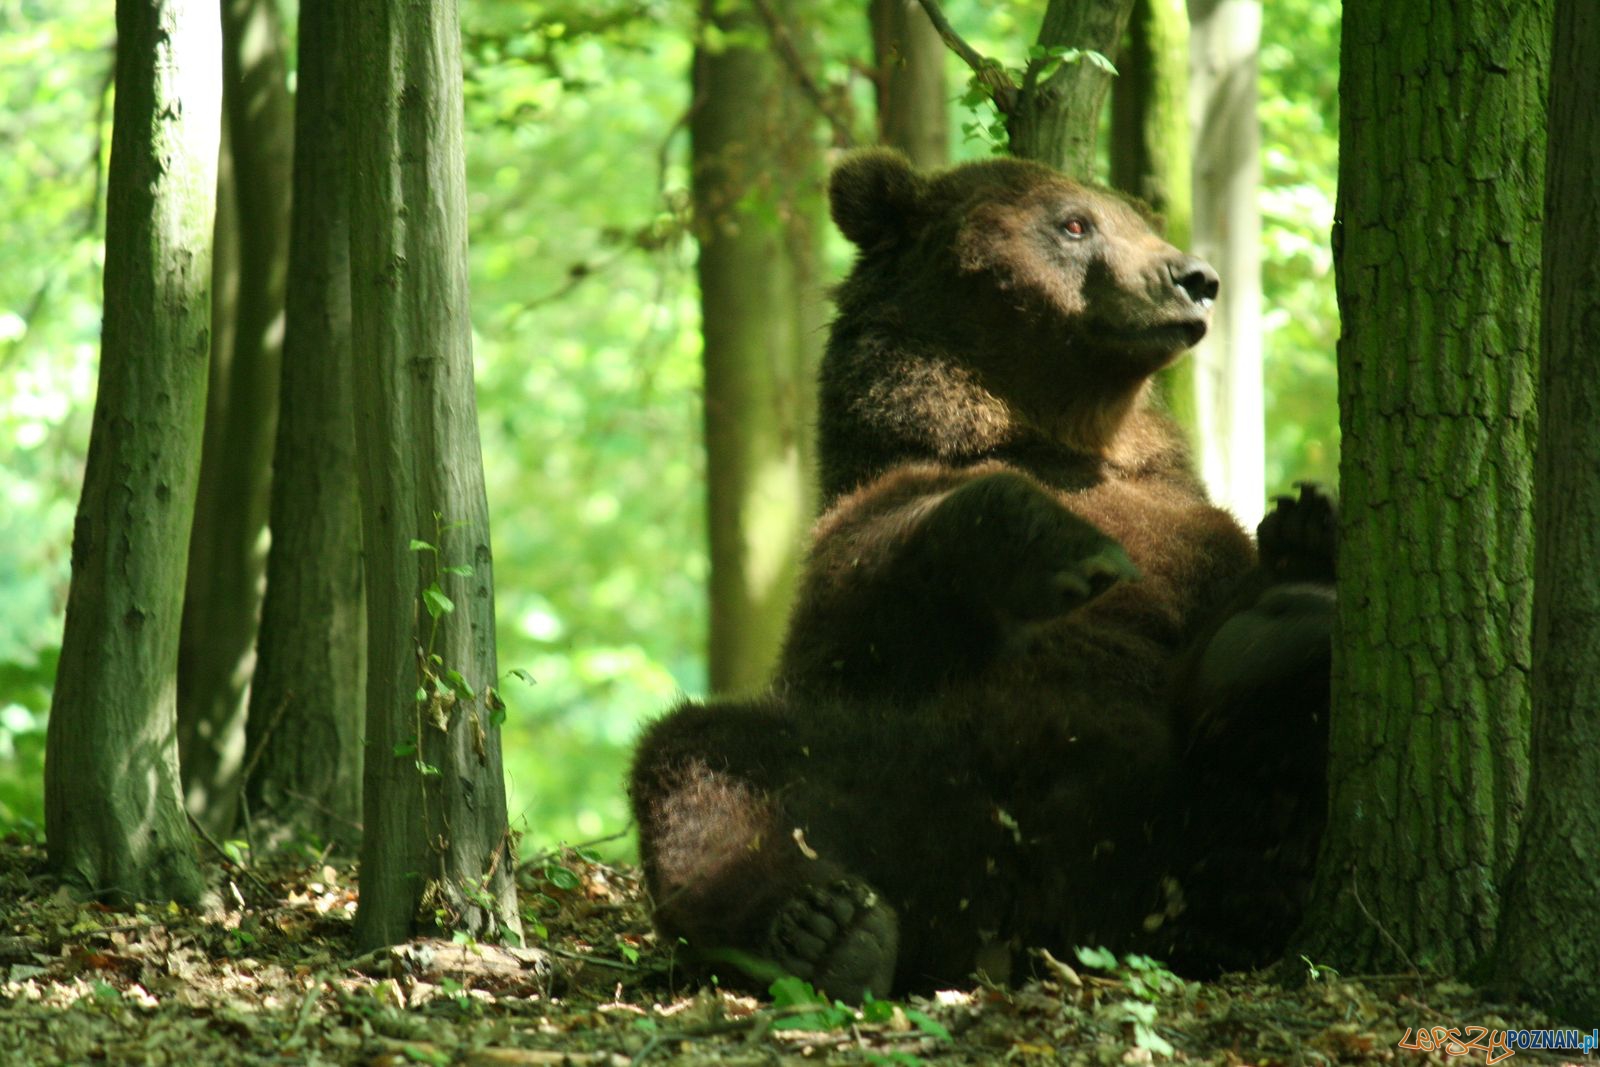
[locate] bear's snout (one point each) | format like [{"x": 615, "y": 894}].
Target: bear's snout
[{"x": 1196, "y": 278}]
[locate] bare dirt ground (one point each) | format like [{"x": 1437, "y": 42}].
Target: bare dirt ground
[{"x": 271, "y": 978}]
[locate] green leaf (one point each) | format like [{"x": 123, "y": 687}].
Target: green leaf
[
  {"x": 1101, "y": 959},
  {"x": 1106, "y": 65},
  {"x": 421, "y": 546},
  {"x": 428, "y": 770},
  {"x": 561, "y": 877},
  {"x": 927, "y": 1024},
  {"x": 459, "y": 684},
  {"x": 792, "y": 992},
  {"x": 418, "y": 1054},
  {"x": 464, "y": 570},
  {"x": 436, "y": 602},
  {"x": 406, "y": 748},
  {"x": 877, "y": 1011}
]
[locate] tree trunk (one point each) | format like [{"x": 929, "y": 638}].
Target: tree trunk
[
  {"x": 436, "y": 852},
  {"x": 755, "y": 181},
  {"x": 1549, "y": 938},
  {"x": 1437, "y": 251},
  {"x": 913, "y": 112},
  {"x": 113, "y": 812},
  {"x": 227, "y": 555},
  {"x": 1150, "y": 144},
  {"x": 1056, "y": 115},
  {"x": 307, "y": 697},
  {"x": 1230, "y": 415}
]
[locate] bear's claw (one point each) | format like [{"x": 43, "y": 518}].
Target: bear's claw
[
  {"x": 1299, "y": 537},
  {"x": 841, "y": 937}
]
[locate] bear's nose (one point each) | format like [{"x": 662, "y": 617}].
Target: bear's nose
[{"x": 1195, "y": 277}]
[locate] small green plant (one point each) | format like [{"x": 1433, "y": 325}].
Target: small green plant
[
  {"x": 1318, "y": 971},
  {"x": 806, "y": 1009},
  {"x": 810, "y": 1010},
  {"x": 1147, "y": 982}
]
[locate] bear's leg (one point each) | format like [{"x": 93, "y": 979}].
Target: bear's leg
[
  {"x": 1255, "y": 697},
  {"x": 730, "y": 872}
]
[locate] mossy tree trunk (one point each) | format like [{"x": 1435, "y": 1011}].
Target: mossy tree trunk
[
  {"x": 113, "y": 811},
  {"x": 755, "y": 185},
  {"x": 227, "y": 552},
  {"x": 1056, "y": 115},
  {"x": 1150, "y": 147},
  {"x": 435, "y": 852},
  {"x": 1229, "y": 407},
  {"x": 913, "y": 109},
  {"x": 1437, "y": 248},
  {"x": 304, "y": 754},
  {"x": 1549, "y": 937}
]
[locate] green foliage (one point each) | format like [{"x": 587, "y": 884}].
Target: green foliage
[
  {"x": 803, "y": 1008},
  {"x": 1148, "y": 983},
  {"x": 1299, "y": 64}
]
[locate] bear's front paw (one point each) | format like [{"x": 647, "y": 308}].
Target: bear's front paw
[
  {"x": 1299, "y": 538},
  {"x": 1080, "y": 581},
  {"x": 841, "y": 937},
  {"x": 1015, "y": 547}
]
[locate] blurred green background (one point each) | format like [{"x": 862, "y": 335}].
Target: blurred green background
[{"x": 587, "y": 344}]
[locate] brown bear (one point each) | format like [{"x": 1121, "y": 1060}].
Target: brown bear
[{"x": 1026, "y": 648}]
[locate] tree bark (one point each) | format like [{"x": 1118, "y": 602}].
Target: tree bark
[
  {"x": 1150, "y": 145},
  {"x": 754, "y": 183},
  {"x": 1230, "y": 415},
  {"x": 436, "y": 851},
  {"x": 913, "y": 110},
  {"x": 227, "y": 555},
  {"x": 1549, "y": 937},
  {"x": 1437, "y": 253},
  {"x": 307, "y": 696},
  {"x": 113, "y": 813},
  {"x": 1056, "y": 116}
]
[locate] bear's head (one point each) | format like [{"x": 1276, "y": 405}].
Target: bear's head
[{"x": 1059, "y": 298}]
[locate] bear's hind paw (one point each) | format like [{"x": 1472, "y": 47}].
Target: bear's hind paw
[{"x": 841, "y": 937}]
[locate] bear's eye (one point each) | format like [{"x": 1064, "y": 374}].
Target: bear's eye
[{"x": 1075, "y": 227}]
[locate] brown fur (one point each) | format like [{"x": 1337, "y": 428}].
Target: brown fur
[{"x": 972, "y": 744}]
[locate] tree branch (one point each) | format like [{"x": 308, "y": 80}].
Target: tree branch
[
  {"x": 989, "y": 74},
  {"x": 783, "y": 40}
]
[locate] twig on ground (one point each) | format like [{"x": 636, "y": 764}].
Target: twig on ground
[{"x": 249, "y": 875}]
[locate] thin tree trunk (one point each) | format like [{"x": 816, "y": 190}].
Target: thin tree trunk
[
  {"x": 436, "y": 851},
  {"x": 113, "y": 813},
  {"x": 755, "y": 162},
  {"x": 307, "y": 696},
  {"x": 1437, "y": 249},
  {"x": 1230, "y": 412},
  {"x": 1150, "y": 144},
  {"x": 913, "y": 112},
  {"x": 1549, "y": 937},
  {"x": 1056, "y": 116},
  {"x": 227, "y": 554}
]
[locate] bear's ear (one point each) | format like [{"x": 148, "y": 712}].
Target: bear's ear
[{"x": 875, "y": 196}]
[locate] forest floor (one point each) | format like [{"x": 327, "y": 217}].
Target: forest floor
[{"x": 271, "y": 978}]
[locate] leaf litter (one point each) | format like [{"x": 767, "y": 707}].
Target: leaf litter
[{"x": 271, "y": 977}]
